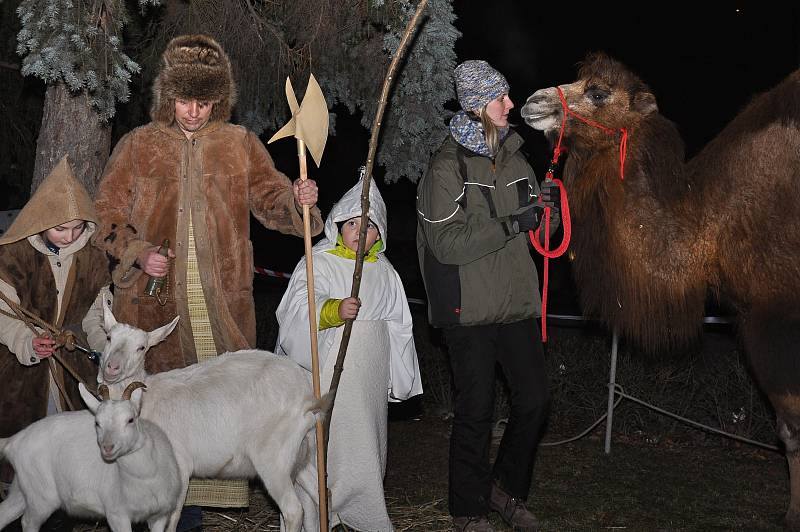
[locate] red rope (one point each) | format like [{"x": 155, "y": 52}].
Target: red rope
[{"x": 566, "y": 221}]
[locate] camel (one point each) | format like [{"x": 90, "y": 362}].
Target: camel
[{"x": 650, "y": 243}]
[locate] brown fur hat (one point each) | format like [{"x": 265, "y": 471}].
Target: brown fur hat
[{"x": 193, "y": 67}]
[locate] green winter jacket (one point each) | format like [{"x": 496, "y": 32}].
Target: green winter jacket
[{"x": 475, "y": 268}]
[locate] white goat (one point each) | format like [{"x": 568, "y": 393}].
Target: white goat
[
  {"x": 110, "y": 464},
  {"x": 237, "y": 415}
]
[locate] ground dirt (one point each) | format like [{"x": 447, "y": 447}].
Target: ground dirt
[
  {"x": 660, "y": 475},
  {"x": 639, "y": 486}
]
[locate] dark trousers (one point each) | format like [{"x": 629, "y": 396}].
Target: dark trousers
[{"x": 474, "y": 351}]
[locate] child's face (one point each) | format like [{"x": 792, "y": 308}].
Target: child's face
[
  {"x": 350, "y": 231},
  {"x": 65, "y": 234}
]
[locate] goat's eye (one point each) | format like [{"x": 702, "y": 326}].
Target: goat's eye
[
  {"x": 140, "y": 348},
  {"x": 96, "y": 424},
  {"x": 130, "y": 420},
  {"x": 108, "y": 338}
]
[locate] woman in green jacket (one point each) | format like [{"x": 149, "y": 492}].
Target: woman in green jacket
[{"x": 476, "y": 204}]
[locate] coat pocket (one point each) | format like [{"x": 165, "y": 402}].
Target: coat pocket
[{"x": 443, "y": 285}]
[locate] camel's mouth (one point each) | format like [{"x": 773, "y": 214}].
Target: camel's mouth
[
  {"x": 533, "y": 118},
  {"x": 539, "y": 117}
]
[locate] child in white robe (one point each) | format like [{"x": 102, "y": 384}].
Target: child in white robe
[{"x": 381, "y": 362}]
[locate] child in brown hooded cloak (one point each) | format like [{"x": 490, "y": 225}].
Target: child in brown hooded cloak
[{"x": 49, "y": 268}]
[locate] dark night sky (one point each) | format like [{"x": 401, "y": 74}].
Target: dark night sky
[{"x": 702, "y": 62}]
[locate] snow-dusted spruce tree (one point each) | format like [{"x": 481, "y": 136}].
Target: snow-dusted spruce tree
[
  {"x": 348, "y": 45},
  {"x": 75, "y": 47}
]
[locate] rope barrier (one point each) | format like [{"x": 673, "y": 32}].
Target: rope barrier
[
  {"x": 618, "y": 391},
  {"x": 621, "y": 392}
]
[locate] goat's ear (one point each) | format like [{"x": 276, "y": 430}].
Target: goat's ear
[
  {"x": 158, "y": 335},
  {"x": 108, "y": 318},
  {"x": 91, "y": 401},
  {"x": 136, "y": 399}
]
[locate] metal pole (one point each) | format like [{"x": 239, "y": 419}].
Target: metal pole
[{"x": 612, "y": 379}]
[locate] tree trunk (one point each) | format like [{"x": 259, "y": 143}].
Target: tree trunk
[{"x": 70, "y": 126}]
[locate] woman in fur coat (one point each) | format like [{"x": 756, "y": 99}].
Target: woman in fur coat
[
  {"x": 49, "y": 268},
  {"x": 381, "y": 362}
]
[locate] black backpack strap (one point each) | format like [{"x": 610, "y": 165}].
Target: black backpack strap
[
  {"x": 461, "y": 155},
  {"x": 462, "y": 170}
]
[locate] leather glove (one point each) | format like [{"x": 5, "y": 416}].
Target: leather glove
[
  {"x": 550, "y": 194},
  {"x": 527, "y": 219}
]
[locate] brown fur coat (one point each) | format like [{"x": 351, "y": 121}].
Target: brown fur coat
[
  {"x": 23, "y": 395},
  {"x": 154, "y": 178}
]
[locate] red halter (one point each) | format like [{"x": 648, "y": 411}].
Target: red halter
[{"x": 566, "y": 222}]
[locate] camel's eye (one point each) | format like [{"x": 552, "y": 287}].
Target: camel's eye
[{"x": 597, "y": 95}]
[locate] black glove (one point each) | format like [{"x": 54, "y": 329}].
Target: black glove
[
  {"x": 528, "y": 218},
  {"x": 550, "y": 194}
]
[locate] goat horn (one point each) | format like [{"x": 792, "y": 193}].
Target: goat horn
[
  {"x": 126, "y": 395},
  {"x": 103, "y": 391}
]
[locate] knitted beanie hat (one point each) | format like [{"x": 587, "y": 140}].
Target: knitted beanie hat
[
  {"x": 477, "y": 84},
  {"x": 193, "y": 67}
]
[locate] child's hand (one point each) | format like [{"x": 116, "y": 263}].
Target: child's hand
[
  {"x": 44, "y": 346},
  {"x": 348, "y": 308}
]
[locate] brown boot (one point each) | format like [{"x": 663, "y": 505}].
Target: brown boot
[
  {"x": 512, "y": 510},
  {"x": 472, "y": 524}
]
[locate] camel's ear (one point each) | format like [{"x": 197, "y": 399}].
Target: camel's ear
[{"x": 645, "y": 103}]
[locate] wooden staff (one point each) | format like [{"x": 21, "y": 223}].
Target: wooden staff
[
  {"x": 362, "y": 235},
  {"x": 309, "y": 126}
]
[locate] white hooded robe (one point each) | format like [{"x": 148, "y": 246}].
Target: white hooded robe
[{"x": 381, "y": 363}]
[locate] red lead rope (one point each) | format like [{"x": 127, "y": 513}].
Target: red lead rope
[{"x": 566, "y": 221}]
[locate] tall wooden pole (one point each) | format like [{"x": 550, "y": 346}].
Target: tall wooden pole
[{"x": 312, "y": 326}]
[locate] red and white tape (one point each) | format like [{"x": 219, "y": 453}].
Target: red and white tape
[{"x": 272, "y": 273}]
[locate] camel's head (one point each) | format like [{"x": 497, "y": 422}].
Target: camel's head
[{"x": 605, "y": 92}]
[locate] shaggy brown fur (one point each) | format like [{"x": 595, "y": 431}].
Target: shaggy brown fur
[
  {"x": 647, "y": 249},
  {"x": 24, "y": 393},
  {"x": 193, "y": 67},
  {"x": 154, "y": 179}
]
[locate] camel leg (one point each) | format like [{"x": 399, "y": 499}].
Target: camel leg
[
  {"x": 787, "y": 410},
  {"x": 793, "y": 514},
  {"x": 771, "y": 339}
]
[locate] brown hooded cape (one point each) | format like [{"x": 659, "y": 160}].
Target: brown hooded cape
[{"x": 60, "y": 198}]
